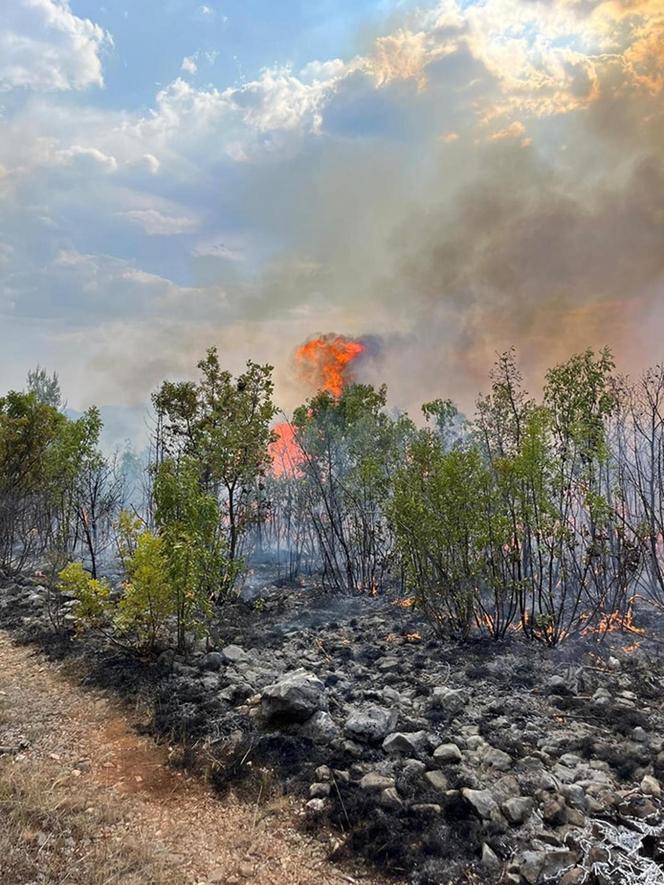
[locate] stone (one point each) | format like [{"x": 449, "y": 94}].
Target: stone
[
  {"x": 498, "y": 759},
  {"x": 482, "y": 801},
  {"x": 447, "y": 753},
  {"x": 370, "y": 724},
  {"x": 319, "y": 791},
  {"x": 413, "y": 767},
  {"x": 212, "y": 661},
  {"x": 389, "y": 798},
  {"x": 294, "y": 698},
  {"x": 233, "y": 654},
  {"x": 575, "y": 876},
  {"x": 323, "y": 773},
  {"x": 427, "y": 808},
  {"x": 640, "y": 734},
  {"x": 316, "y": 805},
  {"x": 374, "y": 781},
  {"x": 517, "y": 810},
  {"x": 651, "y": 786},
  {"x": 449, "y": 700},
  {"x": 490, "y": 860},
  {"x": 400, "y": 743},
  {"x": 560, "y": 686},
  {"x": 554, "y": 811},
  {"x": 321, "y": 728},
  {"x": 537, "y": 866},
  {"x": 436, "y": 780}
]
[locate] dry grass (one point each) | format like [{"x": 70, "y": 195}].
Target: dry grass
[
  {"x": 89, "y": 800},
  {"x": 51, "y": 833}
]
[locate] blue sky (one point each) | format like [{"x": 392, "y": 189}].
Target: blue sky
[{"x": 450, "y": 178}]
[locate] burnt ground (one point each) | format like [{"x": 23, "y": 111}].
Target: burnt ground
[{"x": 436, "y": 761}]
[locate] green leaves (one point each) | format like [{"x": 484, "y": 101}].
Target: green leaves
[{"x": 223, "y": 424}]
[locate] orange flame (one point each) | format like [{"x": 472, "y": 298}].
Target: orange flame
[
  {"x": 614, "y": 622},
  {"x": 285, "y": 451},
  {"x": 326, "y": 361}
]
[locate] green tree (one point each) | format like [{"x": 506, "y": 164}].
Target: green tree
[
  {"x": 223, "y": 423},
  {"x": 351, "y": 446}
]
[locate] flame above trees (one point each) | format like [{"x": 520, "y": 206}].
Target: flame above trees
[{"x": 326, "y": 361}]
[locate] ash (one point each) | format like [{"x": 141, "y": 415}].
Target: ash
[{"x": 435, "y": 762}]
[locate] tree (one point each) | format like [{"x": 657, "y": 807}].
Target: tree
[
  {"x": 351, "y": 446},
  {"x": 223, "y": 423},
  {"x": 45, "y": 387}
]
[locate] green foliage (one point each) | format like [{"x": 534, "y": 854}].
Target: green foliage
[
  {"x": 352, "y": 446},
  {"x": 93, "y": 606},
  {"x": 439, "y": 513},
  {"x": 223, "y": 424},
  {"x": 43, "y": 457},
  {"x": 45, "y": 387},
  {"x": 195, "y": 550}
]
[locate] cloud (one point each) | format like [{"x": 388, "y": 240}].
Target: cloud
[
  {"x": 189, "y": 65},
  {"x": 478, "y": 177},
  {"x": 86, "y": 158},
  {"x": 45, "y": 47},
  {"x": 156, "y": 223}
]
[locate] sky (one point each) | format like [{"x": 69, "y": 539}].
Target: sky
[{"x": 450, "y": 178}]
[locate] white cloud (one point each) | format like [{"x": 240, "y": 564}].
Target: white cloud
[
  {"x": 157, "y": 223},
  {"x": 86, "y": 158},
  {"x": 189, "y": 65},
  {"x": 45, "y": 47}
]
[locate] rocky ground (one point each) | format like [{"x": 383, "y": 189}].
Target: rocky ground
[{"x": 436, "y": 761}]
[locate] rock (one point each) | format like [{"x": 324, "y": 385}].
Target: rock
[
  {"x": 554, "y": 811},
  {"x": 498, "y": 759},
  {"x": 490, "y": 860},
  {"x": 447, "y": 753},
  {"x": 574, "y": 796},
  {"x": 517, "y": 810},
  {"x": 531, "y": 864},
  {"x": 436, "y": 780},
  {"x": 651, "y": 786},
  {"x": 427, "y": 808},
  {"x": 212, "y": 661},
  {"x": 294, "y": 698},
  {"x": 316, "y": 805},
  {"x": 323, "y": 773},
  {"x": 371, "y": 724},
  {"x": 233, "y": 654},
  {"x": 482, "y": 801},
  {"x": 321, "y": 728},
  {"x": 560, "y": 686},
  {"x": 389, "y": 798},
  {"x": 413, "y": 767},
  {"x": 374, "y": 781},
  {"x": 575, "y": 876},
  {"x": 400, "y": 743},
  {"x": 639, "y": 734},
  {"x": 319, "y": 791},
  {"x": 448, "y": 700}
]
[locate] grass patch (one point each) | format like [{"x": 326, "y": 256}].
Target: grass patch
[{"x": 54, "y": 831}]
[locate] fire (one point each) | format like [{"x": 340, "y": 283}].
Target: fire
[
  {"x": 326, "y": 361},
  {"x": 405, "y": 602},
  {"x": 616, "y": 621},
  {"x": 285, "y": 451}
]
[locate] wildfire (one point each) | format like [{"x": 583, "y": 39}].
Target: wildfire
[
  {"x": 614, "y": 622},
  {"x": 285, "y": 451},
  {"x": 326, "y": 361},
  {"x": 405, "y": 602}
]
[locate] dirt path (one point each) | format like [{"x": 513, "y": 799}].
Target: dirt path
[{"x": 90, "y": 801}]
